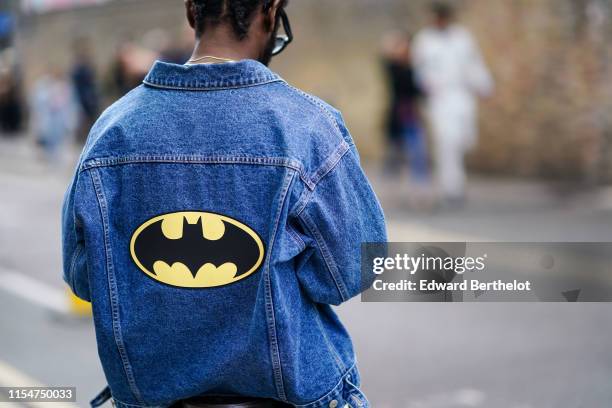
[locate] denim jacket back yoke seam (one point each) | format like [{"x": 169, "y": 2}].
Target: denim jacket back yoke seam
[{"x": 310, "y": 183}]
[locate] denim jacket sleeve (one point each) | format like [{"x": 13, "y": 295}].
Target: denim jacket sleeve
[
  {"x": 342, "y": 212},
  {"x": 73, "y": 245}
]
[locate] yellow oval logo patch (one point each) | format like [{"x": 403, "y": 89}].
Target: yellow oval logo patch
[{"x": 193, "y": 249}]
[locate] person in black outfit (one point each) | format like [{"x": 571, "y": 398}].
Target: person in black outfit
[
  {"x": 406, "y": 139},
  {"x": 84, "y": 81}
]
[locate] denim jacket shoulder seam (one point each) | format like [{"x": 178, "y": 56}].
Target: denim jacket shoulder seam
[
  {"x": 319, "y": 105},
  {"x": 90, "y": 146},
  {"x": 330, "y": 116}
]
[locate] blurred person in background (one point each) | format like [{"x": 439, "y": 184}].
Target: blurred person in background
[
  {"x": 11, "y": 101},
  {"x": 453, "y": 75},
  {"x": 406, "y": 138},
  {"x": 117, "y": 80},
  {"x": 11, "y": 98},
  {"x": 85, "y": 86},
  {"x": 54, "y": 113},
  {"x": 130, "y": 66}
]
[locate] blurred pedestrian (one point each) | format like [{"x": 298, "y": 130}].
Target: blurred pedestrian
[
  {"x": 86, "y": 89},
  {"x": 130, "y": 66},
  {"x": 11, "y": 100},
  {"x": 53, "y": 113},
  {"x": 406, "y": 138},
  {"x": 453, "y": 74},
  {"x": 11, "y": 109}
]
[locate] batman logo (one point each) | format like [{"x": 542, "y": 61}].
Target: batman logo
[{"x": 191, "y": 249}]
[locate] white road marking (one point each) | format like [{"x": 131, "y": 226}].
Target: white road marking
[
  {"x": 11, "y": 377},
  {"x": 34, "y": 291}
]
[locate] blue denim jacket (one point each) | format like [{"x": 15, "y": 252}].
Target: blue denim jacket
[{"x": 215, "y": 215}]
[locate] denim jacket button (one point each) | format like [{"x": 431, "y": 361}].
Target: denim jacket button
[{"x": 333, "y": 404}]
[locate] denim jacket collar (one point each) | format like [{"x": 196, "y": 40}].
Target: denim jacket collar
[{"x": 203, "y": 77}]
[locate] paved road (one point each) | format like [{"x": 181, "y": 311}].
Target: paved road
[{"x": 411, "y": 355}]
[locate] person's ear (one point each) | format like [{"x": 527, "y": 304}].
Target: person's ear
[
  {"x": 271, "y": 15},
  {"x": 190, "y": 10}
]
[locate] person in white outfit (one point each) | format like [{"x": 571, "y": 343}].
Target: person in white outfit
[{"x": 453, "y": 74}]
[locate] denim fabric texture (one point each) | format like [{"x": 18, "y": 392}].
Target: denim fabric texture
[{"x": 236, "y": 140}]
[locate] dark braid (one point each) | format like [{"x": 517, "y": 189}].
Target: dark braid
[{"x": 239, "y": 12}]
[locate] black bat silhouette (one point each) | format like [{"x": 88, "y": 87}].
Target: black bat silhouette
[{"x": 193, "y": 250}]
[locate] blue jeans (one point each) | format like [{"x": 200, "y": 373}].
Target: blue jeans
[{"x": 415, "y": 148}]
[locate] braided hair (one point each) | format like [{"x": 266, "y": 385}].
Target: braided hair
[{"x": 239, "y": 13}]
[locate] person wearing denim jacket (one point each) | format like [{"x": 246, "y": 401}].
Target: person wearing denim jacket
[{"x": 215, "y": 216}]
